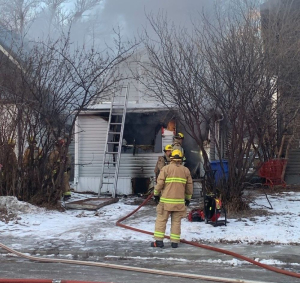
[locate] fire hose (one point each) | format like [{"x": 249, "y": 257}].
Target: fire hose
[
  {"x": 265, "y": 266},
  {"x": 146, "y": 270},
  {"x": 113, "y": 266},
  {"x": 42, "y": 281}
]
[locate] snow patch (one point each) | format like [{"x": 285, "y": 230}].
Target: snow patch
[{"x": 14, "y": 206}]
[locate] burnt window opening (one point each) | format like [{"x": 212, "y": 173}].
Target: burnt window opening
[{"x": 142, "y": 130}]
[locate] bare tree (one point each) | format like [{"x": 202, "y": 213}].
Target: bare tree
[
  {"x": 43, "y": 87},
  {"x": 54, "y": 83},
  {"x": 57, "y": 16},
  {"x": 83, "y": 6},
  {"x": 79, "y": 17},
  {"x": 280, "y": 30},
  {"x": 238, "y": 79},
  {"x": 51, "y": 15},
  {"x": 222, "y": 73},
  {"x": 17, "y": 15},
  {"x": 171, "y": 75}
]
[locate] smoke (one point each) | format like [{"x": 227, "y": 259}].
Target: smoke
[
  {"x": 132, "y": 15},
  {"x": 98, "y": 25}
]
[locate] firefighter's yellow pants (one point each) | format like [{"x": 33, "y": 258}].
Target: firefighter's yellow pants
[
  {"x": 161, "y": 222},
  {"x": 66, "y": 184}
]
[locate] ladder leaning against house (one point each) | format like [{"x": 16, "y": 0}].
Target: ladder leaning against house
[{"x": 114, "y": 137}]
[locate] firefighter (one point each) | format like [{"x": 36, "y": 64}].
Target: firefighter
[
  {"x": 31, "y": 164},
  {"x": 163, "y": 160},
  {"x": 177, "y": 144},
  {"x": 32, "y": 154},
  {"x": 10, "y": 167},
  {"x": 172, "y": 194},
  {"x": 59, "y": 159}
]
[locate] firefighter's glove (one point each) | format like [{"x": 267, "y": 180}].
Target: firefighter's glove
[
  {"x": 187, "y": 202},
  {"x": 156, "y": 199}
]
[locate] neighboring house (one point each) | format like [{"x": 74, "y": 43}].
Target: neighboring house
[
  {"x": 149, "y": 126},
  {"x": 283, "y": 12},
  {"x": 8, "y": 109},
  {"x": 17, "y": 120},
  {"x": 9, "y": 43}
]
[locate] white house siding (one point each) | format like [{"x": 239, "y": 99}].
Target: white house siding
[
  {"x": 92, "y": 137},
  {"x": 167, "y": 138},
  {"x": 91, "y": 140}
]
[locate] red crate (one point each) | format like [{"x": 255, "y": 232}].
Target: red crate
[{"x": 272, "y": 171}]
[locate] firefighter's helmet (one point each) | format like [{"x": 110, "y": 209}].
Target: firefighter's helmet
[
  {"x": 179, "y": 136},
  {"x": 168, "y": 147},
  {"x": 176, "y": 154},
  {"x": 60, "y": 142}
]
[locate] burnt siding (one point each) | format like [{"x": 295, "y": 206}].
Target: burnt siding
[
  {"x": 92, "y": 132},
  {"x": 138, "y": 166}
]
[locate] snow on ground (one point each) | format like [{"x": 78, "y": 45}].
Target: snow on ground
[{"x": 280, "y": 226}]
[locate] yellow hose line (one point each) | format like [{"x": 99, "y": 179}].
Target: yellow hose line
[{"x": 129, "y": 268}]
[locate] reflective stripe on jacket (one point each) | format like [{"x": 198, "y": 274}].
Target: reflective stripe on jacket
[{"x": 174, "y": 184}]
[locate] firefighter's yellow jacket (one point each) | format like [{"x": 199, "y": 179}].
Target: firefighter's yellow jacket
[
  {"x": 174, "y": 185},
  {"x": 32, "y": 155},
  {"x": 161, "y": 162},
  {"x": 56, "y": 157}
]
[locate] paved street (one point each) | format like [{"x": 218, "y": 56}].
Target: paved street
[
  {"x": 19, "y": 268},
  {"x": 185, "y": 259}
]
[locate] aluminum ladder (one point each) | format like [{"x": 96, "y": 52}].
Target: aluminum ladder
[{"x": 113, "y": 145}]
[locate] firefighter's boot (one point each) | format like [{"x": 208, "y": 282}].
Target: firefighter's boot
[
  {"x": 157, "y": 244},
  {"x": 174, "y": 245},
  {"x": 66, "y": 196}
]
